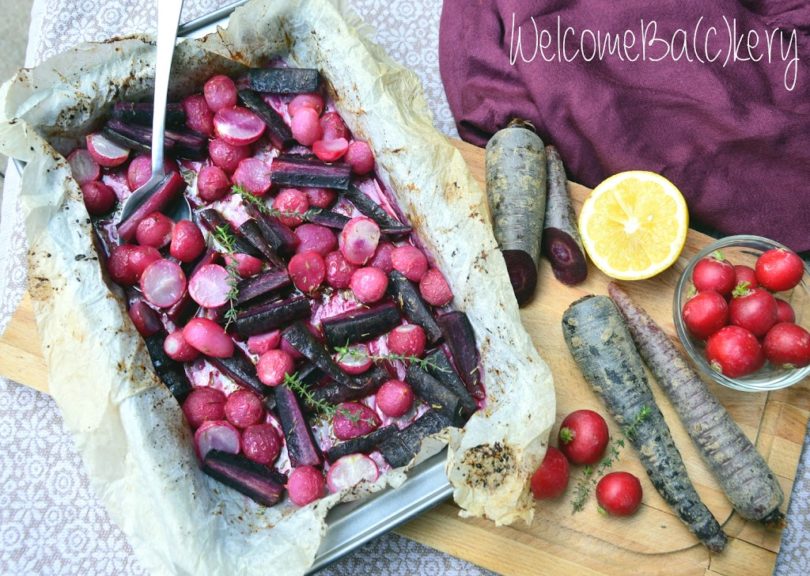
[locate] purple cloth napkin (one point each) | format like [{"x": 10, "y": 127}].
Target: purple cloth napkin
[{"x": 732, "y": 134}]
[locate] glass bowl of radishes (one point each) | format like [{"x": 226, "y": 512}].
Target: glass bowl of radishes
[{"x": 742, "y": 312}]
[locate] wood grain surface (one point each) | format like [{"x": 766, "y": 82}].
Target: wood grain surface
[{"x": 654, "y": 541}]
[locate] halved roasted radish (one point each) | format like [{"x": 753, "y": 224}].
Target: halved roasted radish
[
  {"x": 356, "y": 361},
  {"x": 261, "y": 343},
  {"x": 253, "y": 175},
  {"x": 359, "y": 239},
  {"x": 330, "y": 150},
  {"x": 238, "y": 126},
  {"x": 217, "y": 435},
  {"x": 350, "y": 470},
  {"x": 104, "y": 151},
  {"x": 163, "y": 283},
  {"x": 83, "y": 167},
  {"x": 210, "y": 285}
]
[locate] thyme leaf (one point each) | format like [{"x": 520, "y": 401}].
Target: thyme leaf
[
  {"x": 294, "y": 383},
  {"x": 226, "y": 240},
  {"x": 349, "y": 353}
]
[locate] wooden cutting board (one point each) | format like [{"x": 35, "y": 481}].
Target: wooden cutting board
[{"x": 654, "y": 541}]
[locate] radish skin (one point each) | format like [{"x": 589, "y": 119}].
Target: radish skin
[
  {"x": 746, "y": 479},
  {"x": 603, "y": 349},
  {"x": 516, "y": 189},
  {"x": 562, "y": 244}
]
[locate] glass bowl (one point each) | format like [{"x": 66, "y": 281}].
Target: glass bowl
[{"x": 742, "y": 249}]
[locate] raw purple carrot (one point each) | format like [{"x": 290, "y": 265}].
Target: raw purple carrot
[
  {"x": 561, "y": 242},
  {"x": 603, "y": 349},
  {"x": 745, "y": 477},
  {"x": 516, "y": 188}
]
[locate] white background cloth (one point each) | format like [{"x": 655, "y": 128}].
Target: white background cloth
[{"x": 51, "y": 522}]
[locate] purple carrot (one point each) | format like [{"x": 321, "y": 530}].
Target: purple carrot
[
  {"x": 743, "y": 474},
  {"x": 170, "y": 188},
  {"x": 212, "y": 220},
  {"x": 301, "y": 446},
  {"x": 436, "y": 394},
  {"x": 280, "y": 134},
  {"x": 440, "y": 367},
  {"x": 309, "y": 173},
  {"x": 362, "y": 444},
  {"x": 361, "y": 324},
  {"x": 362, "y": 386},
  {"x": 252, "y": 233},
  {"x": 516, "y": 189},
  {"x": 183, "y": 143},
  {"x": 170, "y": 372},
  {"x": 279, "y": 236},
  {"x": 259, "y": 483},
  {"x": 142, "y": 113},
  {"x": 368, "y": 207},
  {"x": 460, "y": 337},
  {"x": 399, "y": 449},
  {"x": 261, "y": 285},
  {"x": 242, "y": 371},
  {"x": 415, "y": 309},
  {"x": 327, "y": 218},
  {"x": 302, "y": 340},
  {"x": 603, "y": 349},
  {"x": 271, "y": 315},
  {"x": 561, "y": 242},
  {"x": 284, "y": 80}
]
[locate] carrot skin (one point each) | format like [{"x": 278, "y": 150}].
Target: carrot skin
[
  {"x": 602, "y": 347},
  {"x": 562, "y": 244},
  {"x": 516, "y": 190},
  {"x": 743, "y": 474}
]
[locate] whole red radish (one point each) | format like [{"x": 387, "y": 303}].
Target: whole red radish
[
  {"x": 208, "y": 337},
  {"x": 243, "y": 408},
  {"x": 291, "y": 200},
  {"x": 583, "y": 437},
  {"x": 274, "y": 366},
  {"x": 354, "y": 419},
  {"x": 187, "y": 241},
  {"x": 734, "y": 351},
  {"x": 146, "y": 320},
  {"x": 98, "y": 197},
  {"x": 714, "y": 273},
  {"x": 779, "y": 269},
  {"x": 705, "y": 313},
  {"x": 755, "y": 310},
  {"x": 261, "y": 443},
  {"x": 305, "y": 485},
  {"x": 368, "y": 284},
  {"x": 307, "y": 270},
  {"x": 178, "y": 349},
  {"x": 204, "y": 404},
  {"x": 550, "y": 480},
  {"x": 787, "y": 345},
  {"x": 154, "y": 230},
  {"x": 745, "y": 274},
  {"x": 407, "y": 340},
  {"x": 619, "y": 494},
  {"x": 394, "y": 398},
  {"x": 784, "y": 311}
]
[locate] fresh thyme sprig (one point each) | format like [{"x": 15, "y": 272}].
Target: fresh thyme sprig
[
  {"x": 347, "y": 352},
  {"x": 225, "y": 239},
  {"x": 590, "y": 475},
  {"x": 294, "y": 383}
]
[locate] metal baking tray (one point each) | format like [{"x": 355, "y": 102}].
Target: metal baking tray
[{"x": 352, "y": 524}]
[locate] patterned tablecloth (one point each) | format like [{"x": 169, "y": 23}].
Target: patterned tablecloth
[{"x": 51, "y": 522}]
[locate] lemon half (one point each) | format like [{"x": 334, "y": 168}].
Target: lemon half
[{"x": 634, "y": 225}]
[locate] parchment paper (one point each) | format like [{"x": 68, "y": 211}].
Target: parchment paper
[{"x": 129, "y": 430}]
